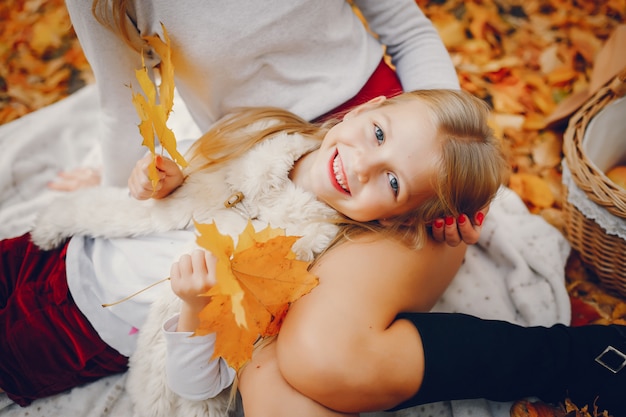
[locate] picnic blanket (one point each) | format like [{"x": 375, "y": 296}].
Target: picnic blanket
[{"x": 515, "y": 272}]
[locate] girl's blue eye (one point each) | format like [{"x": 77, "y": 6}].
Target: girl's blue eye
[
  {"x": 393, "y": 183},
  {"x": 380, "y": 135}
]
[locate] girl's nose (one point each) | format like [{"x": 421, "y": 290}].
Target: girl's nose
[{"x": 364, "y": 165}]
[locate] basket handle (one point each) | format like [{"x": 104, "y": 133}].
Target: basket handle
[{"x": 590, "y": 180}]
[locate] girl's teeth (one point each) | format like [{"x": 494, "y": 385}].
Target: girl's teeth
[{"x": 337, "y": 173}]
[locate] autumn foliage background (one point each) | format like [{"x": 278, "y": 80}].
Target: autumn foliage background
[{"x": 521, "y": 56}]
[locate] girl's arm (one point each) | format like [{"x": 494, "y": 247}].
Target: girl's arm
[
  {"x": 191, "y": 373},
  {"x": 338, "y": 345}
]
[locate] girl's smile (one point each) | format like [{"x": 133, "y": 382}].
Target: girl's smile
[
  {"x": 377, "y": 163},
  {"x": 337, "y": 174}
]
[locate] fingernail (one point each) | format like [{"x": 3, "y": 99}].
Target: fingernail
[
  {"x": 479, "y": 218},
  {"x": 461, "y": 219},
  {"x": 449, "y": 220},
  {"x": 438, "y": 223}
]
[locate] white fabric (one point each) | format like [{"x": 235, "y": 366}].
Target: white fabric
[
  {"x": 103, "y": 271},
  {"x": 523, "y": 280},
  {"x": 605, "y": 147},
  {"x": 230, "y": 53},
  {"x": 612, "y": 224},
  {"x": 518, "y": 251}
]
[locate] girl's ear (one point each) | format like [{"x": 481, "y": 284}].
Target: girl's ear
[{"x": 372, "y": 104}]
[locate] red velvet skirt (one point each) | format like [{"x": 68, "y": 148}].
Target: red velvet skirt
[
  {"x": 47, "y": 346},
  {"x": 383, "y": 82}
]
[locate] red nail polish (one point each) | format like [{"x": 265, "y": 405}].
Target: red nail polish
[
  {"x": 480, "y": 218},
  {"x": 449, "y": 220},
  {"x": 438, "y": 223},
  {"x": 461, "y": 219}
]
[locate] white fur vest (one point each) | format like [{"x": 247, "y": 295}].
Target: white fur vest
[{"x": 261, "y": 175}]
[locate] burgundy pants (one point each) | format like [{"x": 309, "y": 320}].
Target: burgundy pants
[{"x": 46, "y": 344}]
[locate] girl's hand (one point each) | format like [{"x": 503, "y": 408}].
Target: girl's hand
[
  {"x": 191, "y": 276},
  {"x": 454, "y": 231},
  {"x": 140, "y": 185}
]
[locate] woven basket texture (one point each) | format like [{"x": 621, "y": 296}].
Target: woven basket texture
[{"x": 604, "y": 253}]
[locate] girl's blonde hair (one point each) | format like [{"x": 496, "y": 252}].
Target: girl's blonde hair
[
  {"x": 471, "y": 168},
  {"x": 472, "y": 165}
]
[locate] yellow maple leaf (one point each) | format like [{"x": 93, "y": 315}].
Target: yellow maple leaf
[
  {"x": 166, "y": 69},
  {"x": 153, "y": 108},
  {"x": 256, "y": 283}
]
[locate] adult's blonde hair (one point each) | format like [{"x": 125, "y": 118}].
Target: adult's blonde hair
[
  {"x": 113, "y": 15},
  {"x": 470, "y": 170}
]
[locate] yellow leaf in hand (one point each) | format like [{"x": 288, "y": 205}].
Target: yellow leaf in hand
[
  {"x": 166, "y": 88},
  {"x": 153, "y": 115},
  {"x": 257, "y": 281}
]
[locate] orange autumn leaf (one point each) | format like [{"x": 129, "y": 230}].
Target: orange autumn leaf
[
  {"x": 48, "y": 32},
  {"x": 533, "y": 189},
  {"x": 525, "y": 408},
  {"x": 256, "y": 282},
  {"x": 153, "y": 113}
]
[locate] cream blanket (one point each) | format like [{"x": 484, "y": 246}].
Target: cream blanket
[{"x": 515, "y": 273}]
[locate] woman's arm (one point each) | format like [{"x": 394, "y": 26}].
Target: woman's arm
[
  {"x": 264, "y": 391},
  {"x": 415, "y": 47},
  {"x": 113, "y": 63},
  {"x": 337, "y": 344}
]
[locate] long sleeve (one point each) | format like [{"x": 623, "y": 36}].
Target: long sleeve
[
  {"x": 191, "y": 373},
  {"x": 415, "y": 47},
  {"x": 306, "y": 57},
  {"x": 113, "y": 63}
]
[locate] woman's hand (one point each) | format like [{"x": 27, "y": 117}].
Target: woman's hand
[
  {"x": 170, "y": 178},
  {"x": 454, "y": 231},
  {"x": 190, "y": 277},
  {"x": 81, "y": 177}
]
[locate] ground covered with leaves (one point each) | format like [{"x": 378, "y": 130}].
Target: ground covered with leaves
[
  {"x": 521, "y": 56},
  {"x": 524, "y": 57}
]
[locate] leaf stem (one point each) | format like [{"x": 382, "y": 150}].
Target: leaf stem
[{"x": 137, "y": 293}]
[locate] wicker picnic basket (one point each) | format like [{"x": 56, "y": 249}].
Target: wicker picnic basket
[{"x": 604, "y": 252}]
